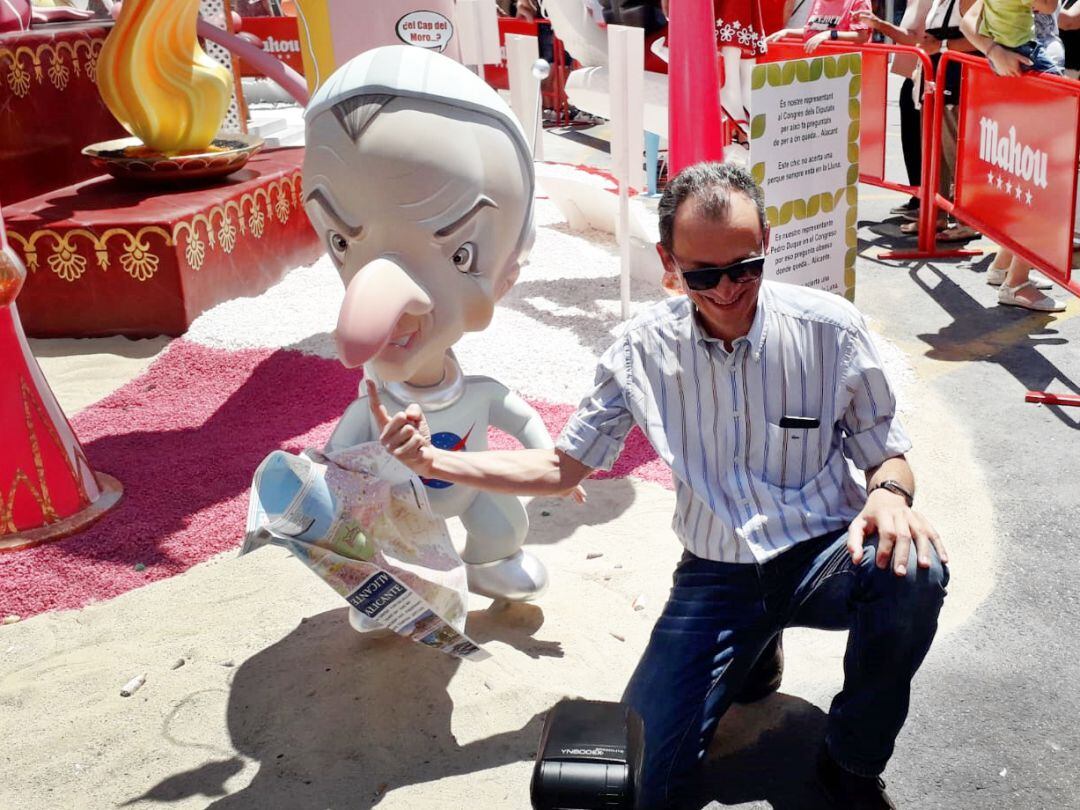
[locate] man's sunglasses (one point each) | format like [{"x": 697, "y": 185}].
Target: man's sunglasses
[{"x": 741, "y": 272}]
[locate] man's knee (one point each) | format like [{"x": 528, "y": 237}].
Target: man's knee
[{"x": 918, "y": 587}]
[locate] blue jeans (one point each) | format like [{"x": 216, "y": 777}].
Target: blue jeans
[
  {"x": 720, "y": 616},
  {"x": 1040, "y": 59}
]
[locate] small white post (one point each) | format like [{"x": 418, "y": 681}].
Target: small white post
[
  {"x": 521, "y": 53},
  {"x": 626, "y": 67},
  {"x": 477, "y": 24}
]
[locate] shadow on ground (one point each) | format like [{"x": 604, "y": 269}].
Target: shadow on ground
[
  {"x": 765, "y": 752},
  {"x": 336, "y": 719},
  {"x": 1008, "y": 336},
  {"x": 552, "y": 520}
]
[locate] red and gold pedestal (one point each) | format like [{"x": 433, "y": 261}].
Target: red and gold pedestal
[{"x": 47, "y": 488}]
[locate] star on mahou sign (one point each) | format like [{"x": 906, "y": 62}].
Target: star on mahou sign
[{"x": 990, "y": 178}]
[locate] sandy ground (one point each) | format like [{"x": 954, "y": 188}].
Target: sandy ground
[
  {"x": 279, "y": 704},
  {"x": 259, "y": 695}
]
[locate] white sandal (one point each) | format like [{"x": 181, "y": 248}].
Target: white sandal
[
  {"x": 995, "y": 277},
  {"x": 1007, "y": 296}
]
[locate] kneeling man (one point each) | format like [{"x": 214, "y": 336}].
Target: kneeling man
[{"x": 757, "y": 394}]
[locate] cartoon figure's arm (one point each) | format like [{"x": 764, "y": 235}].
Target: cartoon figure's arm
[
  {"x": 354, "y": 428},
  {"x": 512, "y": 414}
]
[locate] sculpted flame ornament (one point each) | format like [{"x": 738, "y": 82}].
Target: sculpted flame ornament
[
  {"x": 165, "y": 90},
  {"x": 158, "y": 81}
]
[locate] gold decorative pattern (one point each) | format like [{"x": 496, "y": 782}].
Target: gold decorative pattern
[
  {"x": 220, "y": 227},
  {"x": 137, "y": 258},
  {"x": 252, "y": 211},
  {"x": 31, "y": 407},
  {"x": 63, "y": 59}
]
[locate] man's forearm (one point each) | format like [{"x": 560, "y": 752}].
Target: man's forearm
[
  {"x": 854, "y": 36},
  {"x": 515, "y": 472},
  {"x": 969, "y": 25},
  {"x": 896, "y": 33},
  {"x": 894, "y": 469}
]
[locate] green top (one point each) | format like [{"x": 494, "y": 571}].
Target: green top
[{"x": 1008, "y": 22}]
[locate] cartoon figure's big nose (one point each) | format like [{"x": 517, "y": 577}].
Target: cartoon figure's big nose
[{"x": 375, "y": 300}]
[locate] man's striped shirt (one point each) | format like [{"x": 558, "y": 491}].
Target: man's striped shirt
[{"x": 747, "y": 488}]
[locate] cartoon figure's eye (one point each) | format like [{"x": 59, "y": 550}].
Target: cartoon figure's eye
[
  {"x": 464, "y": 257},
  {"x": 338, "y": 244}
]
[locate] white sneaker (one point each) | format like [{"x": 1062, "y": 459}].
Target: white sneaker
[
  {"x": 995, "y": 277},
  {"x": 1037, "y": 301}
]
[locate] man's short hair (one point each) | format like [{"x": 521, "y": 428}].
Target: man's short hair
[{"x": 710, "y": 184}]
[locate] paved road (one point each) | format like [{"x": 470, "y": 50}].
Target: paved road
[{"x": 995, "y": 719}]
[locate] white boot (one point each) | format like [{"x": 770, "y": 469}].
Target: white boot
[{"x": 518, "y": 578}]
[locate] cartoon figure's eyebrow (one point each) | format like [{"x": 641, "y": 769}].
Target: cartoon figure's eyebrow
[
  {"x": 321, "y": 196},
  {"x": 462, "y": 221}
]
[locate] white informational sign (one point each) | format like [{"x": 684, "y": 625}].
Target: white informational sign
[{"x": 805, "y": 154}]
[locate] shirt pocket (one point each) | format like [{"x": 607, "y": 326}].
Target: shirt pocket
[{"x": 792, "y": 455}]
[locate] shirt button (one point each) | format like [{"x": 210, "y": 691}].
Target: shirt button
[{"x": 737, "y": 415}]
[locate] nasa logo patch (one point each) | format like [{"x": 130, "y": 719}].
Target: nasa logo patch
[{"x": 446, "y": 441}]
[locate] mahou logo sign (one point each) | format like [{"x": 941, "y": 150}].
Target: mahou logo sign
[
  {"x": 1016, "y": 162},
  {"x": 1009, "y": 155}
]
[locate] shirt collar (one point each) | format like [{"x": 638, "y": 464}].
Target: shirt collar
[{"x": 758, "y": 328}]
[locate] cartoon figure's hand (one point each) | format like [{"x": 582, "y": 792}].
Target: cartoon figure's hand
[{"x": 406, "y": 435}]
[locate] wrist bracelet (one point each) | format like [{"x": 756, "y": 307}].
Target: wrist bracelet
[
  {"x": 834, "y": 34},
  {"x": 896, "y": 489}
]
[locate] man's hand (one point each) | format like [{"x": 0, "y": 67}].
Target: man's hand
[
  {"x": 867, "y": 18},
  {"x": 897, "y": 526},
  {"x": 405, "y": 435},
  {"x": 816, "y": 40},
  {"x": 528, "y": 10},
  {"x": 1006, "y": 62}
]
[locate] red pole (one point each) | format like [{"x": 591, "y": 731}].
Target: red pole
[
  {"x": 1044, "y": 398},
  {"x": 694, "y": 127}
]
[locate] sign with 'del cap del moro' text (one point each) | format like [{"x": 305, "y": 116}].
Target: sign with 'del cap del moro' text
[{"x": 334, "y": 31}]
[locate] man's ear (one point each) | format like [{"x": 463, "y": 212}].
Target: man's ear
[{"x": 670, "y": 281}]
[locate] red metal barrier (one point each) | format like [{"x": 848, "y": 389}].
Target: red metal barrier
[{"x": 1016, "y": 163}]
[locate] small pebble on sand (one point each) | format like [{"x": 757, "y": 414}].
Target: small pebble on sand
[
  {"x": 133, "y": 686},
  {"x": 639, "y": 603},
  {"x": 592, "y": 555},
  {"x": 12, "y": 619}
]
